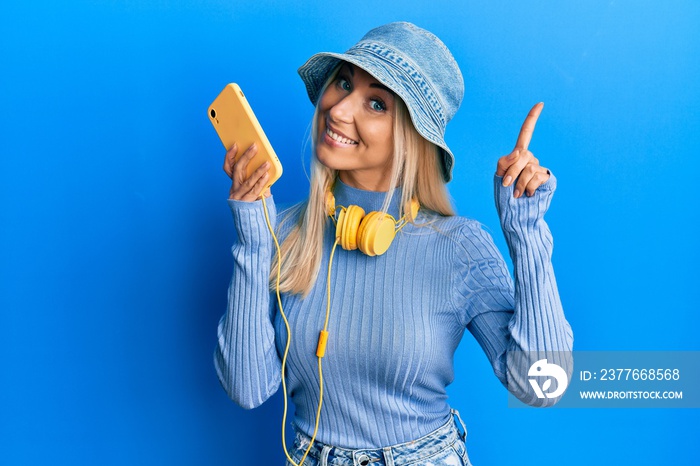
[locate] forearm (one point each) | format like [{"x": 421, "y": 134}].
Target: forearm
[
  {"x": 538, "y": 323},
  {"x": 246, "y": 359}
]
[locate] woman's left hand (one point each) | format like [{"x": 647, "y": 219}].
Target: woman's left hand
[{"x": 520, "y": 164}]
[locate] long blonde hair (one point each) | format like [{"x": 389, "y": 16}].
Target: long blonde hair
[{"x": 416, "y": 168}]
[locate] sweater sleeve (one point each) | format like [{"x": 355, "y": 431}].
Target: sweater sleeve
[
  {"x": 517, "y": 324},
  {"x": 246, "y": 359}
]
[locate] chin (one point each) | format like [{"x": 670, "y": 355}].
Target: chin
[{"x": 330, "y": 160}]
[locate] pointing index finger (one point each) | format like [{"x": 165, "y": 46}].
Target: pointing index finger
[{"x": 529, "y": 126}]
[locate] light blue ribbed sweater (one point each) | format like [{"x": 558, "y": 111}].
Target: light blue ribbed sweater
[{"x": 395, "y": 319}]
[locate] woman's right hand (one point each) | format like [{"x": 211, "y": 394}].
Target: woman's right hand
[{"x": 242, "y": 188}]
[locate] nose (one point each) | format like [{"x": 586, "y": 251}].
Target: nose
[{"x": 343, "y": 111}]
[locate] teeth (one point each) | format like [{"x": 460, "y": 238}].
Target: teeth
[{"x": 339, "y": 138}]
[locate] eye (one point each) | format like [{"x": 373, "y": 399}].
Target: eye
[
  {"x": 377, "y": 105},
  {"x": 344, "y": 84}
]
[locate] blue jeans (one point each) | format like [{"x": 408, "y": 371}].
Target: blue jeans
[{"x": 442, "y": 447}]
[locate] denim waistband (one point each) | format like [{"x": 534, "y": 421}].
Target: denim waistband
[{"x": 395, "y": 455}]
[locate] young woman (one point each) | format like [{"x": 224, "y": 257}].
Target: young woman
[{"x": 395, "y": 310}]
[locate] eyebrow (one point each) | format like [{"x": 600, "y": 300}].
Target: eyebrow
[
  {"x": 377, "y": 85},
  {"x": 382, "y": 86}
]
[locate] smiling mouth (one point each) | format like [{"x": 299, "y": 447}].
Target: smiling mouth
[{"x": 338, "y": 138}]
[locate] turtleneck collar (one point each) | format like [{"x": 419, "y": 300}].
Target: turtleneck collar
[{"x": 369, "y": 200}]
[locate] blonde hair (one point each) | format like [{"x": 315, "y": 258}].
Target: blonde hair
[{"x": 416, "y": 168}]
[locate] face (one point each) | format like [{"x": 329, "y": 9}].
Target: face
[{"x": 356, "y": 129}]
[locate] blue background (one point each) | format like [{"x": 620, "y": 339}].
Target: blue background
[{"x": 115, "y": 232}]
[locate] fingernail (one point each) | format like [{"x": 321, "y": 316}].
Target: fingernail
[
  {"x": 266, "y": 165},
  {"x": 507, "y": 180},
  {"x": 516, "y": 193}
]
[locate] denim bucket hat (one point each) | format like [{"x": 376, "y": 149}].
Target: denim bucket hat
[{"x": 413, "y": 63}]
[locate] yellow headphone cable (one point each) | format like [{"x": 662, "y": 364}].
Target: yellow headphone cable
[{"x": 320, "y": 349}]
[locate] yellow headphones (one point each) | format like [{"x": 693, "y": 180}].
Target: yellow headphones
[{"x": 372, "y": 233}]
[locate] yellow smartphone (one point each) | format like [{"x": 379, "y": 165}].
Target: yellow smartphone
[{"x": 235, "y": 122}]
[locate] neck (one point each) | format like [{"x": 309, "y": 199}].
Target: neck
[
  {"x": 369, "y": 200},
  {"x": 359, "y": 181}
]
